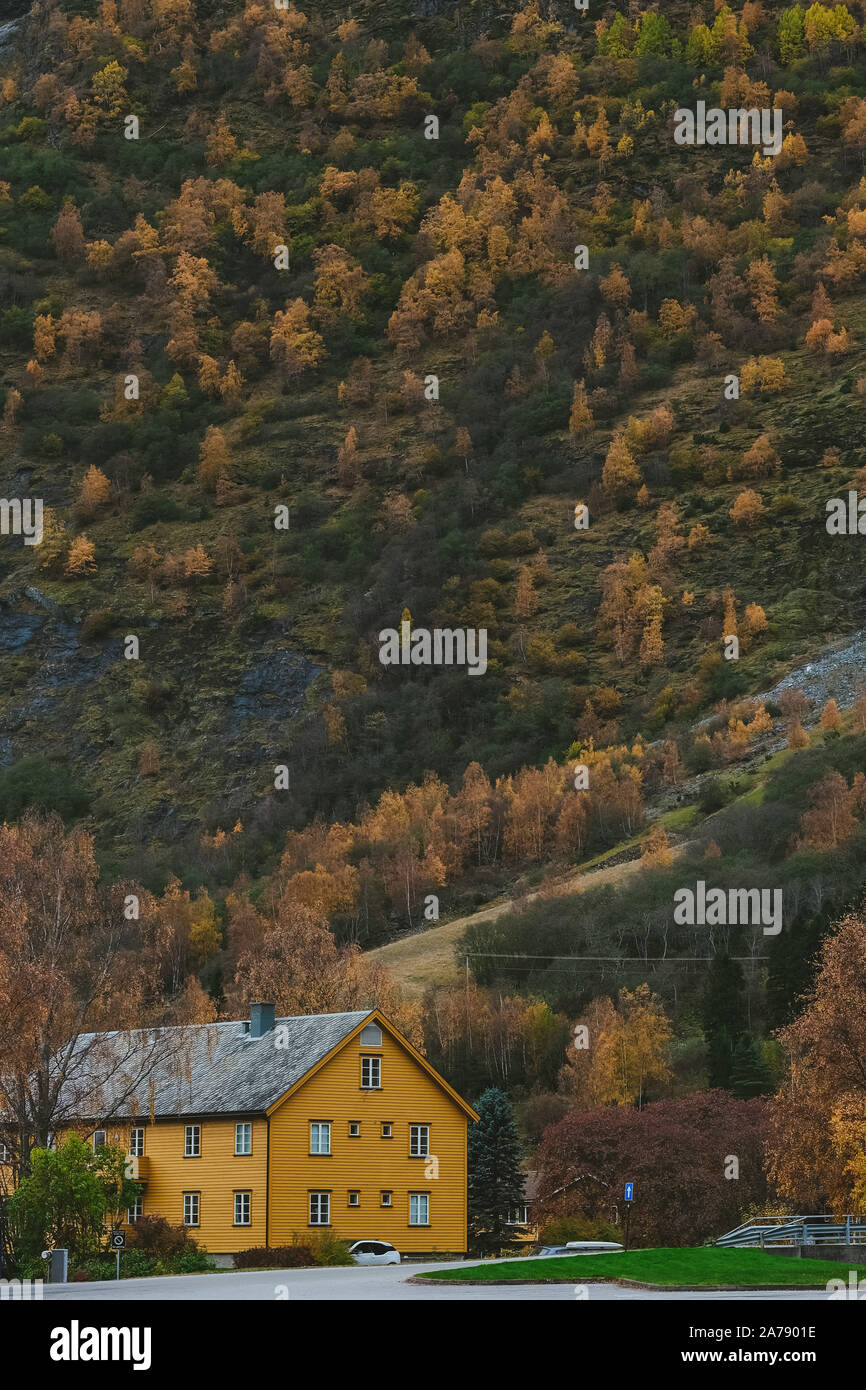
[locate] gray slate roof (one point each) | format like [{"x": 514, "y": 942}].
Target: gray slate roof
[{"x": 202, "y": 1069}]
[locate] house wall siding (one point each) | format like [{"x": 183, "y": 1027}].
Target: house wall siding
[
  {"x": 370, "y": 1164},
  {"x": 216, "y": 1176}
]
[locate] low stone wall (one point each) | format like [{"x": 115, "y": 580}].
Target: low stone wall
[{"x": 846, "y": 1254}]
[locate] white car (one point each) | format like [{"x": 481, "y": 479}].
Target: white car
[
  {"x": 582, "y": 1247},
  {"x": 374, "y": 1252}
]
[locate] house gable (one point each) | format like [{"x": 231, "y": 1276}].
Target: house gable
[{"x": 379, "y": 1019}]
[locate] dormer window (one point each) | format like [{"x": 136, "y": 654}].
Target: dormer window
[{"x": 371, "y": 1035}]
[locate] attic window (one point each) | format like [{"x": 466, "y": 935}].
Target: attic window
[{"x": 371, "y": 1036}]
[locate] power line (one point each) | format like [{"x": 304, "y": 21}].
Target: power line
[{"x": 618, "y": 960}]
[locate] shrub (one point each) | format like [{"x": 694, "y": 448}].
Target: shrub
[
  {"x": 36, "y": 782},
  {"x": 154, "y": 507},
  {"x": 134, "y": 1264},
  {"x": 155, "y": 1236},
  {"x": 191, "y": 1262},
  {"x": 97, "y": 623},
  {"x": 714, "y": 795},
  {"x": 330, "y": 1250}
]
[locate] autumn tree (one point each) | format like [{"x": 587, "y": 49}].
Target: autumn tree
[
  {"x": 620, "y": 474},
  {"x": 652, "y": 647},
  {"x": 628, "y": 1048},
  {"x": 748, "y": 509},
  {"x": 68, "y": 234},
  {"x": 197, "y": 563},
  {"x": 580, "y": 420},
  {"x": 526, "y": 602},
  {"x": 296, "y": 962},
  {"x": 764, "y": 288},
  {"x": 81, "y": 559},
  {"x": 831, "y": 818},
  {"x": 655, "y": 850},
  {"x": 214, "y": 460},
  {"x": 347, "y": 459},
  {"x": 340, "y": 284},
  {"x": 816, "y": 1151},
  {"x": 73, "y": 964},
  {"x": 831, "y": 719},
  {"x": 294, "y": 345},
  {"x": 94, "y": 491},
  {"x": 668, "y": 1147}
]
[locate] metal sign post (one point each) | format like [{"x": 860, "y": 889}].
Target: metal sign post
[
  {"x": 628, "y": 1199},
  {"x": 118, "y": 1243}
]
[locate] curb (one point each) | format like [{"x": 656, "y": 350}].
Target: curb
[{"x": 625, "y": 1283}]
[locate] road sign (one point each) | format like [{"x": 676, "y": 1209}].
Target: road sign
[
  {"x": 118, "y": 1240},
  {"x": 629, "y": 1192}
]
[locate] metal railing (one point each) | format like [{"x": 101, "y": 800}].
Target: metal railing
[{"x": 767, "y": 1231}]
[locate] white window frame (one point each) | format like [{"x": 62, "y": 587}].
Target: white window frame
[
  {"x": 418, "y": 1202},
  {"x": 387, "y": 1129},
  {"x": 514, "y": 1216},
  {"x": 357, "y": 1196},
  {"x": 136, "y": 1211},
  {"x": 5, "y": 1153},
  {"x": 320, "y": 1130},
  {"x": 136, "y": 1143},
  {"x": 322, "y": 1201},
  {"x": 192, "y": 1141},
  {"x": 243, "y": 1139},
  {"x": 387, "y": 1199},
  {"x": 243, "y": 1204},
  {"x": 354, "y": 1129},
  {"x": 191, "y": 1202},
  {"x": 419, "y": 1141},
  {"x": 371, "y": 1066},
  {"x": 97, "y": 1142}
]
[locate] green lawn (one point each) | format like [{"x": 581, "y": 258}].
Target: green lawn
[{"x": 689, "y": 1268}]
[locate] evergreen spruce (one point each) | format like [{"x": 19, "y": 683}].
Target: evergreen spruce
[
  {"x": 495, "y": 1179},
  {"x": 750, "y": 1075}
]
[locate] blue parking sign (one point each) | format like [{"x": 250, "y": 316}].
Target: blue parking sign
[{"x": 629, "y": 1191}]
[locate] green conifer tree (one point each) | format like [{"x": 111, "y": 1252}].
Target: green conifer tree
[{"x": 495, "y": 1179}]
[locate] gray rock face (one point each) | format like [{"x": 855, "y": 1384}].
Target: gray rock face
[
  {"x": 271, "y": 691},
  {"x": 17, "y": 629},
  {"x": 42, "y": 599},
  {"x": 839, "y": 675}
]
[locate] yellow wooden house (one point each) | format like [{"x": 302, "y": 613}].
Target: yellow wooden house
[{"x": 258, "y": 1131}]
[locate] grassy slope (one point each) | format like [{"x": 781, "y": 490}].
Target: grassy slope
[
  {"x": 706, "y": 1267},
  {"x": 427, "y": 958}
]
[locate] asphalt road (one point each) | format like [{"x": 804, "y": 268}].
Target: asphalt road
[{"x": 371, "y": 1283}]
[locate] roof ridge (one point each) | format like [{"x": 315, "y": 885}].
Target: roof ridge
[{"x": 222, "y": 1023}]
